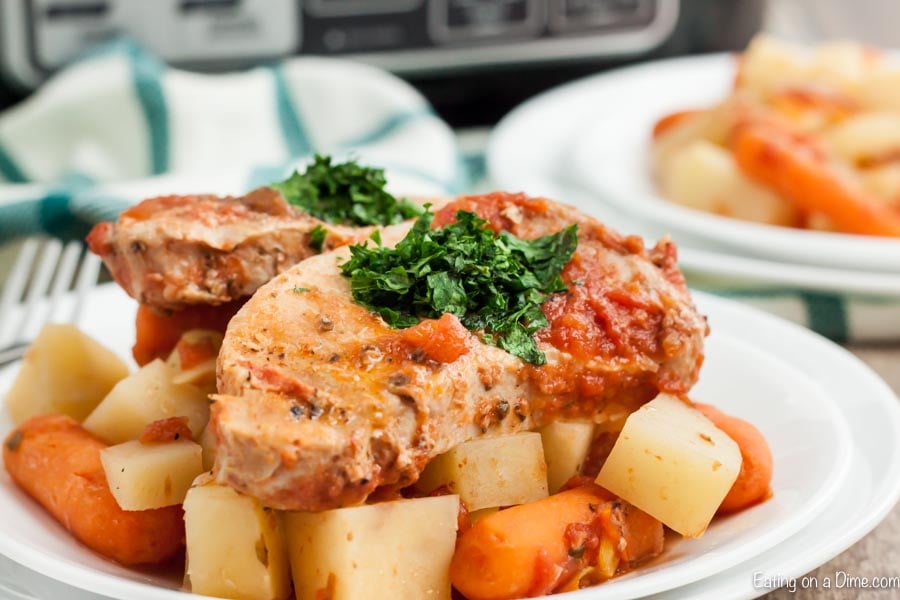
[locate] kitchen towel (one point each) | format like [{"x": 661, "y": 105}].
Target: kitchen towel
[{"x": 119, "y": 125}]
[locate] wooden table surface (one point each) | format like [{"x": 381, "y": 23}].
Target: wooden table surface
[{"x": 877, "y": 554}]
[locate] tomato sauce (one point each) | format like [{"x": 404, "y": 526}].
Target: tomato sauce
[{"x": 442, "y": 340}]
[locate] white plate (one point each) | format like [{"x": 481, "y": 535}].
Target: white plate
[
  {"x": 612, "y": 158},
  {"x": 532, "y": 149},
  {"x": 801, "y": 420},
  {"x": 872, "y": 488}
]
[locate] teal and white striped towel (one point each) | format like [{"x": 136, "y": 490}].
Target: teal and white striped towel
[{"x": 118, "y": 125}]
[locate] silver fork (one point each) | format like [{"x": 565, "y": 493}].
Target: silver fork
[{"x": 44, "y": 270}]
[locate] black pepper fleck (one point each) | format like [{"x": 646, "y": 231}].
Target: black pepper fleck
[
  {"x": 398, "y": 379},
  {"x": 501, "y": 410},
  {"x": 297, "y": 411},
  {"x": 14, "y": 441},
  {"x": 518, "y": 411}
]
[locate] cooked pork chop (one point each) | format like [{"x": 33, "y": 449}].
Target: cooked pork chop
[
  {"x": 174, "y": 251},
  {"x": 321, "y": 402}
]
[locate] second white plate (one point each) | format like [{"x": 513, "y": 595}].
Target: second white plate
[
  {"x": 534, "y": 149},
  {"x": 612, "y": 158}
]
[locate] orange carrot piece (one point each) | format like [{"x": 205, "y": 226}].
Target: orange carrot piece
[
  {"x": 57, "y": 462},
  {"x": 671, "y": 120},
  {"x": 157, "y": 334},
  {"x": 530, "y": 549},
  {"x": 755, "y": 477},
  {"x": 797, "y": 170}
]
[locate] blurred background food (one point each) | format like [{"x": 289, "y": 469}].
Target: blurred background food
[{"x": 809, "y": 137}]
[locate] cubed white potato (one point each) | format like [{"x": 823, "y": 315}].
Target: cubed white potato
[
  {"x": 673, "y": 463},
  {"x": 880, "y": 88},
  {"x": 63, "y": 371},
  {"x": 883, "y": 182},
  {"x": 705, "y": 177},
  {"x": 202, "y": 376},
  {"x": 146, "y": 476},
  {"x": 841, "y": 65},
  {"x": 208, "y": 442},
  {"x": 566, "y": 444},
  {"x": 146, "y": 396},
  {"x": 490, "y": 472},
  {"x": 235, "y": 547},
  {"x": 393, "y": 550},
  {"x": 865, "y": 136},
  {"x": 769, "y": 64},
  {"x": 710, "y": 125},
  {"x": 194, "y": 357}
]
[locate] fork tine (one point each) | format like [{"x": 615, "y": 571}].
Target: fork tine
[
  {"x": 65, "y": 275},
  {"x": 87, "y": 279},
  {"x": 14, "y": 288},
  {"x": 40, "y": 283}
]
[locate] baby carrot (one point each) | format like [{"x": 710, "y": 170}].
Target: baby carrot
[
  {"x": 797, "y": 170},
  {"x": 752, "y": 483},
  {"x": 157, "y": 333},
  {"x": 57, "y": 462},
  {"x": 530, "y": 549}
]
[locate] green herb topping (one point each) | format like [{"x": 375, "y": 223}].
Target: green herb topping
[
  {"x": 317, "y": 237},
  {"x": 345, "y": 193},
  {"x": 494, "y": 283}
]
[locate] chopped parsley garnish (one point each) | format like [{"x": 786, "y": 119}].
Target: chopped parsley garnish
[
  {"x": 345, "y": 193},
  {"x": 317, "y": 237},
  {"x": 494, "y": 283},
  {"x": 300, "y": 290}
]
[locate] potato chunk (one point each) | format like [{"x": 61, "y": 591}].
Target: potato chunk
[
  {"x": 396, "y": 549},
  {"x": 490, "y": 472},
  {"x": 704, "y": 176},
  {"x": 146, "y": 396},
  {"x": 145, "y": 476},
  {"x": 64, "y": 371},
  {"x": 207, "y": 441},
  {"x": 673, "y": 463},
  {"x": 566, "y": 444},
  {"x": 235, "y": 547}
]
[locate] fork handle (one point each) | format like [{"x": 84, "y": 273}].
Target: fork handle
[{"x": 11, "y": 354}]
